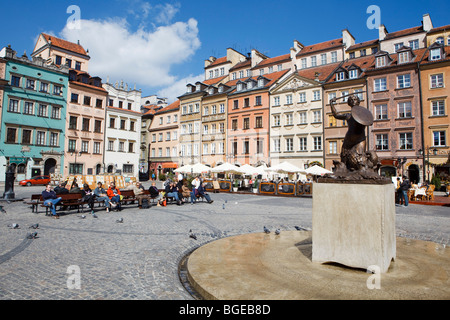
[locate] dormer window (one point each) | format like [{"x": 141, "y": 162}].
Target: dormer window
[
  {"x": 211, "y": 90},
  {"x": 340, "y": 76},
  {"x": 220, "y": 89},
  {"x": 435, "y": 54},
  {"x": 261, "y": 82},
  {"x": 381, "y": 62},
  {"x": 440, "y": 40},
  {"x": 249, "y": 85},
  {"x": 197, "y": 87},
  {"x": 239, "y": 86},
  {"x": 353, "y": 74},
  {"x": 404, "y": 57}
]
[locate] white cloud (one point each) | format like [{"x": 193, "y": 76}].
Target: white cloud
[
  {"x": 141, "y": 57},
  {"x": 178, "y": 87}
]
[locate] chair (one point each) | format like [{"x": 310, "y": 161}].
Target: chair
[
  {"x": 216, "y": 186},
  {"x": 430, "y": 192},
  {"x": 411, "y": 194}
]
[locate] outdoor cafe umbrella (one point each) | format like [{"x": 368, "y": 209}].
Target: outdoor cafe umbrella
[
  {"x": 227, "y": 167},
  {"x": 184, "y": 169},
  {"x": 317, "y": 171},
  {"x": 249, "y": 170},
  {"x": 284, "y": 167},
  {"x": 199, "y": 168}
]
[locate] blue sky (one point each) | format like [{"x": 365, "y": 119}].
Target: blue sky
[{"x": 162, "y": 45}]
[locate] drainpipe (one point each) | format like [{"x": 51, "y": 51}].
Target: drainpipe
[{"x": 421, "y": 120}]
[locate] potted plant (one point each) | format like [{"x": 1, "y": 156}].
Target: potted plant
[
  {"x": 255, "y": 186},
  {"x": 235, "y": 185}
]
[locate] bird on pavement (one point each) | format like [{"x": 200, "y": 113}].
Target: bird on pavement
[
  {"x": 13, "y": 226},
  {"x": 266, "y": 230},
  {"x": 94, "y": 216},
  {"x": 83, "y": 216},
  {"x": 2, "y": 210},
  {"x": 191, "y": 235},
  {"x": 277, "y": 232},
  {"x": 119, "y": 220},
  {"x": 32, "y": 235},
  {"x": 34, "y": 226}
]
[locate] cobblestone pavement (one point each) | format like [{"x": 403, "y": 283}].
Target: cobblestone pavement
[{"x": 139, "y": 259}]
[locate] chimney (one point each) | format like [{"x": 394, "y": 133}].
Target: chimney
[
  {"x": 382, "y": 32},
  {"x": 347, "y": 39},
  {"x": 427, "y": 23}
]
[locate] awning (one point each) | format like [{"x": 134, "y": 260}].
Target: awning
[
  {"x": 169, "y": 165},
  {"x": 17, "y": 160}
]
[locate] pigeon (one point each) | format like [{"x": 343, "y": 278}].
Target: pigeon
[
  {"x": 83, "y": 216},
  {"x": 94, "y": 216},
  {"x": 266, "y": 230},
  {"x": 34, "y": 226},
  {"x": 191, "y": 235},
  {"x": 13, "y": 226},
  {"x": 120, "y": 220},
  {"x": 300, "y": 228},
  {"x": 277, "y": 232},
  {"x": 2, "y": 210},
  {"x": 32, "y": 235},
  {"x": 223, "y": 207}
]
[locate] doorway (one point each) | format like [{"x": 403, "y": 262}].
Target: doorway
[
  {"x": 414, "y": 173},
  {"x": 49, "y": 166}
]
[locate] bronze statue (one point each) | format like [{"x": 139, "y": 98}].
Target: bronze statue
[{"x": 356, "y": 162}]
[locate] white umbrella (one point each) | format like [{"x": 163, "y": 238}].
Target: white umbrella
[
  {"x": 249, "y": 170},
  {"x": 199, "y": 168},
  {"x": 227, "y": 167},
  {"x": 285, "y": 167},
  {"x": 184, "y": 169},
  {"x": 317, "y": 171}
]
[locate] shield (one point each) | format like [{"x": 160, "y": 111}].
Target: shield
[{"x": 362, "y": 115}]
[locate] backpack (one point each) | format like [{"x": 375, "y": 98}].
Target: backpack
[{"x": 145, "y": 204}]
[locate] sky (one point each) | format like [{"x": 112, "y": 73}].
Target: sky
[{"x": 160, "y": 46}]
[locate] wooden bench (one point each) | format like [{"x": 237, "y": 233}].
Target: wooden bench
[
  {"x": 67, "y": 201},
  {"x": 36, "y": 200}
]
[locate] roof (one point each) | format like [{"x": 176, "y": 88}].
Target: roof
[
  {"x": 363, "y": 45},
  {"x": 418, "y": 54},
  {"x": 244, "y": 64},
  {"x": 218, "y": 62},
  {"x": 404, "y": 32},
  {"x": 171, "y": 107},
  {"x": 271, "y": 61},
  {"x": 327, "y": 45},
  {"x": 426, "y": 55},
  {"x": 272, "y": 77},
  {"x": 322, "y": 72},
  {"x": 213, "y": 80},
  {"x": 362, "y": 63},
  {"x": 438, "y": 29},
  {"x": 125, "y": 110},
  {"x": 64, "y": 44}
]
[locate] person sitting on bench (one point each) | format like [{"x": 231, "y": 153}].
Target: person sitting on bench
[
  {"x": 202, "y": 193},
  {"x": 114, "y": 195},
  {"x": 50, "y": 199},
  {"x": 154, "y": 192},
  {"x": 172, "y": 192},
  {"x": 101, "y": 195}
]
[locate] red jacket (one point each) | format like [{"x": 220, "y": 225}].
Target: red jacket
[{"x": 111, "y": 194}]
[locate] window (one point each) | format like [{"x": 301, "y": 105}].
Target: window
[
  {"x": 439, "y": 139},
  {"x": 246, "y": 147},
  {"x": 99, "y": 103},
  {"x": 289, "y": 99},
  {"x": 313, "y": 61},
  {"x": 303, "y": 145},
  {"x": 13, "y": 105},
  {"x": 259, "y": 122},
  {"x": 405, "y": 109},
  {"x": 440, "y": 40},
  {"x": 334, "y": 57},
  {"x": 414, "y": 44},
  {"x": 85, "y": 146},
  {"x": 276, "y": 120},
  {"x": 437, "y": 80},
  {"x": 123, "y": 124},
  {"x": 72, "y": 145},
  {"x": 222, "y": 108},
  {"x": 128, "y": 168},
  {"x": 77, "y": 65},
  {"x": 332, "y": 121},
  {"x": 96, "y": 148},
  {"x": 259, "y": 146},
  {"x": 404, "y": 81},
  {"x": 406, "y": 141},
  {"x": 316, "y": 95},
  {"x": 352, "y": 55},
  {"x": 381, "y": 112},
  {"x": 85, "y": 124},
  {"x": 234, "y": 124},
  {"x": 122, "y": 146},
  {"x": 403, "y": 57},
  {"x": 26, "y": 136},
  {"x": 340, "y": 76},
  {"x": 44, "y": 87},
  {"x": 87, "y": 101},
  {"x": 111, "y": 146},
  {"x": 56, "y": 112},
  {"x": 382, "y": 142},
  {"x": 131, "y": 148},
  {"x": 54, "y": 139},
  {"x": 258, "y": 101},
  {"x": 214, "y": 109},
  {"x": 57, "y": 90},
  {"x": 303, "y": 118},
  {"x": 29, "y": 108},
  {"x": 374, "y": 50},
  {"x": 317, "y": 116},
  {"x": 246, "y": 123},
  {"x": 112, "y": 123},
  {"x": 363, "y": 52},
  {"x": 276, "y": 145},
  {"x": 75, "y": 168},
  {"x": 160, "y": 137},
  {"x": 132, "y": 126},
  {"x": 15, "y": 81},
  {"x": 236, "y": 104},
  {"x": 58, "y": 60},
  {"x": 323, "y": 58},
  {"x": 438, "y": 108},
  {"x": 317, "y": 143},
  {"x": 40, "y": 138},
  {"x": 69, "y": 63},
  {"x": 304, "y": 63},
  {"x": 353, "y": 74},
  {"x": 289, "y": 119},
  {"x": 246, "y": 102},
  {"x": 74, "y": 98},
  {"x": 381, "y": 61},
  {"x": 435, "y": 54},
  {"x": 397, "y": 46},
  {"x": 11, "y": 134},
  {"x": 345, "y": 95},
  {"x": 332, "y": 147},
  {"x": 359, "y": 94},
  {"x": 42, "y": 110},
  {"x": 205, "y": 129},
  {"x": 380, "y": 84},
  {"x": 302, "y": 97},
  {"x": 276, "y": 101},
  {"x": 289, "y": 144},
  {"x": 30, "y": 84}
]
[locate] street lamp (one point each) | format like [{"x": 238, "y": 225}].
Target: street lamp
[
  {"x": 402, "y": 162},
  {"x": 427, "y": 174}
]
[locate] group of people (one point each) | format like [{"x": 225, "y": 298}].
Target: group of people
[
  {"x": 112, "y": 197},
  {"x": 179, "y": 190},
  {"x": 402, "y": 188}
]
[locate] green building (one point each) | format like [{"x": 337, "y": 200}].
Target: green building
[{"x": 33, "y": 116}]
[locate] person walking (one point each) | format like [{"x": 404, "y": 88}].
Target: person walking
[
  {"x": 51, "y": 200},
  {"x": 404, "y": 187}
]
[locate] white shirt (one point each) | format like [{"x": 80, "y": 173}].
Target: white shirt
[{"x": 196, "y": 183}]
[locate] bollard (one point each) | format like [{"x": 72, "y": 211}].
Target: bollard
[{"x": 9, "y": 184}]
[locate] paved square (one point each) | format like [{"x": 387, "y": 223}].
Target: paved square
[{"x": 139, "y": 258}]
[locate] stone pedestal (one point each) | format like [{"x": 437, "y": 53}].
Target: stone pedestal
[{"x": 354, "y": 224}]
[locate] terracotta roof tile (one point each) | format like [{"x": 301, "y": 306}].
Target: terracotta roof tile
[
  {"x": 64, "y": 44},
  {"x": 404, "y": 32},
  {"x": 217, "y": 62},
  {"x": 213, "y": 81},
  {"x": 244, "y": 64},
  {"x": 275, "y": 60},
  {"x": 443, "y": 28},
  {"x": 363, "y": 45},
  {"x": 171, "y": 107},
  {"x": 327, "y": 45},
  {"x": 322, "y": 71},
  {"x": 363, "y": 63}
]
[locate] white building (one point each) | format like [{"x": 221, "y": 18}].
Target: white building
[{"x": 123, "y": 130}]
